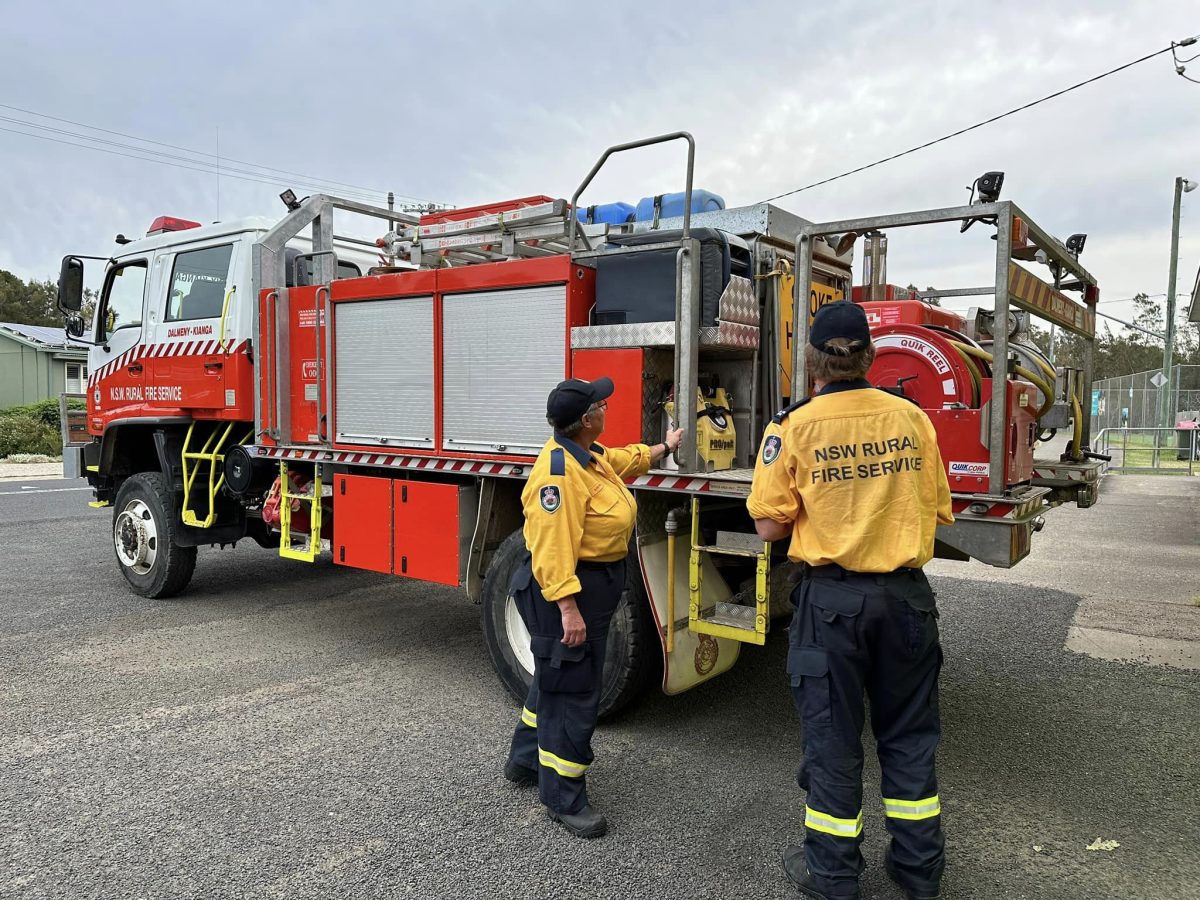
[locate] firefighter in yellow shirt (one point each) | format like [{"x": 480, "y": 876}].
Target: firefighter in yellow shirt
[
  {"x": 579, "y": 517},
  {"x": 853, "y": 478}
]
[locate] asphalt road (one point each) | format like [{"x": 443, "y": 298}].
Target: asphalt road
[{"x": 299, "y": 731}]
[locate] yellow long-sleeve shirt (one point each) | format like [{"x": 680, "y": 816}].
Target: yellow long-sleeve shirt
[
  {"x": 858, "y": 475},
  {"x": 577, "y": 508}
]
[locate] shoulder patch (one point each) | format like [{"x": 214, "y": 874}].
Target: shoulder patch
[
  {"x": 770, "y": 449},
  {"x": 558, "y": 462},
  {"x": 551, "y": 498},
  {"x": 783, "y": 413}
]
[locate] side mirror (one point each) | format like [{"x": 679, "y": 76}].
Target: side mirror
[
  {"x": 70, "y": 285},
  {"x": 75, "y": 326}
]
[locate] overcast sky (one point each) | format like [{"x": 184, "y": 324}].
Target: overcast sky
[{"x": 467, "y": 103}]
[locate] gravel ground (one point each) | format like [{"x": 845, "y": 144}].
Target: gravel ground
[{"x": 295, "y": 731}]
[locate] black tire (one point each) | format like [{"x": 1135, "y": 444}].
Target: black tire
[
  {"x": 144, "y": 538},
  {"x": 634, "y": 650}
]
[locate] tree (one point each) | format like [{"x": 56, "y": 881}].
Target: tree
[
  {"x": 28, "y": 303},
  {"x": 1126, "y": 350},
  {"x": 36, "y": 302}
]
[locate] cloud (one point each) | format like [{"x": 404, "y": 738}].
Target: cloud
[{"x": 482, "y": 101}]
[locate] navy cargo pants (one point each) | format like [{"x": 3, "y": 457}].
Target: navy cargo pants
[
  {"x": 854, "y": 633},
  {"x": 554, "y": 735}
]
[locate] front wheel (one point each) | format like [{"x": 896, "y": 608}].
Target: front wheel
[
  {"x": 143, "y": 537},
  {"x": 633, "y": 647}
]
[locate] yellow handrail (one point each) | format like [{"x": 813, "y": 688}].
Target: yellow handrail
[{"x": 224, "y": 312}]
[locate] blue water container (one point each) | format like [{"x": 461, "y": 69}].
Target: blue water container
[
  {"x": 605, "y": 214},
  {"x": 671, "y": 205}
]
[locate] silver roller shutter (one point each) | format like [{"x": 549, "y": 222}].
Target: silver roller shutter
[
  {"x": 383, "y": 351},
  {"x": 502, "y": 353}
]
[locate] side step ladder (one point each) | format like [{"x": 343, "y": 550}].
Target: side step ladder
[
  {"x": 212, "y": 455},
  {"x": 310, "y": 549},
  {"x": 748, "y": 624}
]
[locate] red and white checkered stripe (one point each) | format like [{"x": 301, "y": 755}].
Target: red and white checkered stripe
[
  {"x": 997, "y": 509},
  {"x": 161, "y": 351},
  {"x": 392, "y": 461},
  {"x": 473, "y": 467},
  {"x": 675, "y": 483}
]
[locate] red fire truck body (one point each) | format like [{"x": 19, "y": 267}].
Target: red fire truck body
[{"x": 248, "y": 381}]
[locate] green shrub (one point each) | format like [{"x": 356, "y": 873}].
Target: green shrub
[
  {"x": 27, "y": 434},
  {"x": 45, "y": 411}
]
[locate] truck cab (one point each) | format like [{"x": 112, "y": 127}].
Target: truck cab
[{"x": 172, "y": 358}]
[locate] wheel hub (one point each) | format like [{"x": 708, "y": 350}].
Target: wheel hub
[{"x": 135, "y": 537}]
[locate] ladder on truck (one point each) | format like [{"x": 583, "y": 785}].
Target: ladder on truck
[{"x": 528, "y": 232}]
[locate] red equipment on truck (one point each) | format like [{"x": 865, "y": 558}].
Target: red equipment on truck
[{"x": 248, "y": 381}]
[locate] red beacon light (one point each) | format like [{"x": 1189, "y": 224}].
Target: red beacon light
[{"x": 163, "y": 224}]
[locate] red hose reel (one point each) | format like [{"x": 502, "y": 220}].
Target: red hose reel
[{"x": 924, "y": 362}]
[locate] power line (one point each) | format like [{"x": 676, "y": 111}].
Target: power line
[
  {"x": 962, "y": 131},
  {"x": 311, "y": 180},
  {"x": 161, "y": 162},
  {"x": 207, "y": 167},
  {"x": 1134, "y": 297}
]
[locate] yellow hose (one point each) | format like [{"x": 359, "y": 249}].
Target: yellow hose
[
  {"x": 1046, "y": 367},
  {"x": 976, "y": 377},
  {"x": 670, "y": 592},
  {"x": 1035, "y": 380}
]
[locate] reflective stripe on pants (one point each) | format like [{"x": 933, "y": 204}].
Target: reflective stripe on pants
[
  {"x": 912, "y": 810},
  {"x": 563, "y": 767},
  {"x": 820, "y": 821}
]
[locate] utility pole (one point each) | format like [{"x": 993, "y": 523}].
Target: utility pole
[{"x": 1182, "y": 185}]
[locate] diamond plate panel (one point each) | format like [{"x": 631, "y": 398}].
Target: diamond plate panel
[
  {"x": 727, "y": 335},
  {"x": 738, "y": 303}
]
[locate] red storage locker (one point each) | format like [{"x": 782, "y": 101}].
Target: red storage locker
[
  {"x": 427, "y": 531},
  {"x": 362, "y": 522},
  {"x": 623, "y": 421}
]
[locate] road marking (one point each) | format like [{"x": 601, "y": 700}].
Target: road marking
[{"x": 24, "y": 491}]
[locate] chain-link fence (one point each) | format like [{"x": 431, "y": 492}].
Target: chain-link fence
[{"x": 1134, "y": 401}]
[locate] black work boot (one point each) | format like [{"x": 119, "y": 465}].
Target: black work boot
[
  {"x": 910, "y": 893},
  {"x": 521, "y": 776},
  {"x": 587, "y": 823},
  {"x": 796, "y": 869}
]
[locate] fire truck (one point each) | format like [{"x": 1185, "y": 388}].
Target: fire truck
[{"x": 380, "y": 399}]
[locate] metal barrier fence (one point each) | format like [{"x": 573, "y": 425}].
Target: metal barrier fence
[
  {"x": 1161, "y": 451},
  {"x": 1134, "y": 401}
]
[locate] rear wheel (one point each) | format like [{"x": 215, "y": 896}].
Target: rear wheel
[
  {"x": 633, "y": 651},
  {"x": 144, "y": 538}
]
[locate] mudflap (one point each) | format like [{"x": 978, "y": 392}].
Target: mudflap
[{"x": 695, "y": 658}]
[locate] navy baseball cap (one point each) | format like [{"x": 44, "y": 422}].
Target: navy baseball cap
[
  {"x": 571, "y": 399},
  {"x": 843, "y": 319}
]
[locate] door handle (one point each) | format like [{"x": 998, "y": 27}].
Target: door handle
[
  {"x": 134, "y": 369},
  {"x": 213, "y": 366}
]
